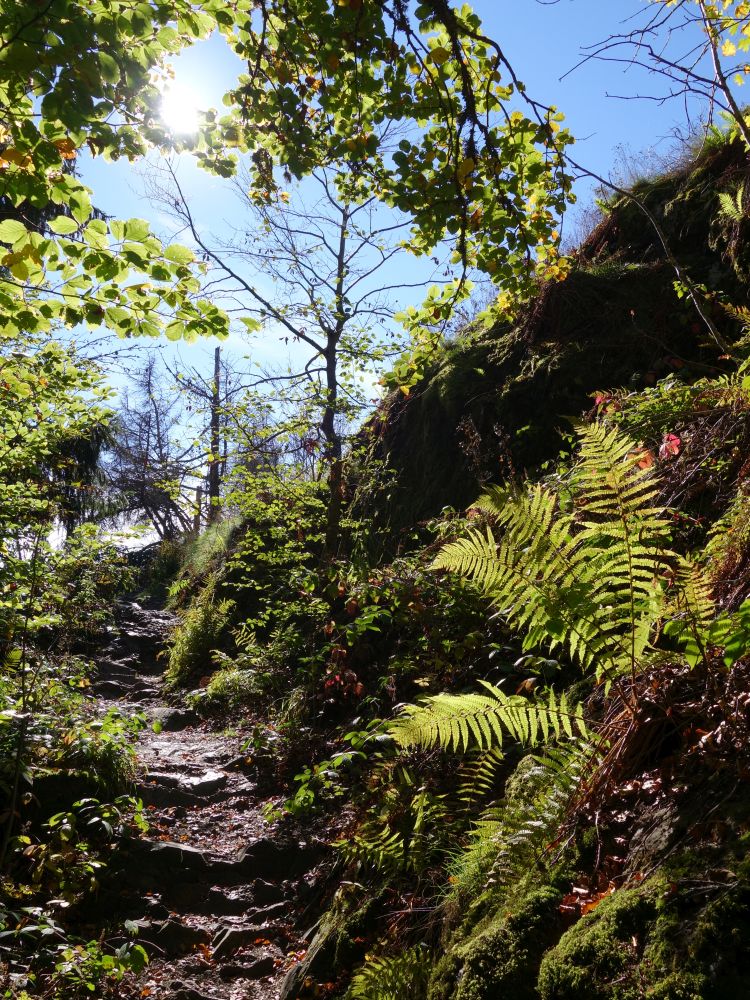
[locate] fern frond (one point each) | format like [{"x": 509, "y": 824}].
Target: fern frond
[
  {"x": 474, "y": 556},
  {"x": 392, "y": 978},
  {"x": 477, "y": 777},
  {"x": 693, "y": 599},
  {"x": 732, "y": 207},
  {"x": 460, "y": 722},
  {"x": 375, "y": 846},
  {"x": 586, "y": 583},
  {"x": 515, "y": 836},
  {"x": 405, "y": 834},
  {"x": 493, "y": 500}
]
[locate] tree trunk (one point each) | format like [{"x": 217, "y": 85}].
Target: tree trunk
[
  {"x": 214, "y": 468},
  {"x": 332, "y": 454},
  {"x": 197, "y": 512}
]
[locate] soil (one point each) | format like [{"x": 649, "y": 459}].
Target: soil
[{"x": 218, "y": 896}]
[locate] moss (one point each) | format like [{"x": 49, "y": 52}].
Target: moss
[
  {"x": 595, "y": 957},
  {"x": 659, "y": 941},
  {"x": 502, "y": 957},
  {"x": 678, "y": 986},
  {"x": 719, "y": 945}
]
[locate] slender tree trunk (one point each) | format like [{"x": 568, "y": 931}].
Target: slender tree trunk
[
  {"x": 333, "y": 451},
  {"x": 198, "y": 506},
  {"x": 214, "y": 469}
]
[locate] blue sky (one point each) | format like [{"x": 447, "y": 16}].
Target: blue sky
[{"x": 542, "y": 40}]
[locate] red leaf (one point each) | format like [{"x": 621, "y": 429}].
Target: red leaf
[{"x": 670, "y": 445}]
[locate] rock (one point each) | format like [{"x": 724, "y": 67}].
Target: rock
[
  {"x": 150, "y": 665},
  {"x": 156, "y": 909},
  {"x": 173, "y": 720},
  {"x": 276, "y": 912},
  {"x": 171, "y": 937},
  {"x": 110, "y": 689},
  {"x": 189, "y": 993},
  {"x": 163, "y": 789},
  {"x": 163, "y": 796},
  {"x": 160, "y": 855},
  {"x": 227, "y": 904},
  {"x": 320, "y": 955},
  {"x": 271, "y": 859},
  {"x": 265, "y": 893},
  {"x": 262, "y": 967},
  {"x": 206, "y": 784},
  {"x": 229, "y": 939},
  {"x": 115, "y": 670},
  {"x": 137, "y": 640},
  {"x": 164, "y": 778},
  {"x": 186, "y": 896},
  {"x": 146, "y": 691}
]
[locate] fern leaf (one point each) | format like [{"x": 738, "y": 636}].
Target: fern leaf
[
  {"x": 451, "y": 722},
  {"x": 514, "y": 836},
  {"x": 392, "y": 978}
]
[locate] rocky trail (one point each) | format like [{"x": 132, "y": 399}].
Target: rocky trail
[{"x": 218, "y": 902}]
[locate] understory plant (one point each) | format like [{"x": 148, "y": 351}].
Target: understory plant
[{"x": 580, "y": 569}]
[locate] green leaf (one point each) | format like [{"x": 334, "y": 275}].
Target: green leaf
[
  {"x": 80, "y": 206},
  {"x": 109, "y": 69},
  {"x": 11, "y": 231},
  {"x": 179, "y": 254},
  {"x": 95, "y": 234},
  {"x": 174, "y": 330},
  {"x": 63, "y": 225},
  {"x": 137, "y": 230},
  {"x": 19, "y": 270}
]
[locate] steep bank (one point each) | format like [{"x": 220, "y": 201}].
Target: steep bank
[{"x": 501, "y": 402}]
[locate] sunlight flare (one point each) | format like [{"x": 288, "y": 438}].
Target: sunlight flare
[{"x": 180, "y": 110}]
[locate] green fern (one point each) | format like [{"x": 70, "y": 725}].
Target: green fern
[
  {"x": 406, "y": 832},
  {"x": 732, "y": 207},
  {"x": 477, "y": 777},
  {"x": 585, "y": 582},
  {"x": 392, "y": 978},
  {"x": 375, "y": 846},
  {"x": 466, "y": 721},
  {"x": 515, "y": 836}
]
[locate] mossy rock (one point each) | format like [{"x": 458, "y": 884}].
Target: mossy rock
[
  {"x": 654, "y": 942},
  {"x": 339, "y": 944},
  {"x": 595, "y": 958},
  {"x": 502, "y": 958}
]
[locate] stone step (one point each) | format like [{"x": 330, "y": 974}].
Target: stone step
[{"x": 114, "y": 670}]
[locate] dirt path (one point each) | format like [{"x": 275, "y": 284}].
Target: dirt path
[{"x": 217, "y": 900}]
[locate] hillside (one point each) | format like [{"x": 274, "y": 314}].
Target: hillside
[
  {"x": 502, "y": 400},
  {"x": 447, "y": 699}
]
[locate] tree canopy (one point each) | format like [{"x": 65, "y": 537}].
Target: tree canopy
[{"x": 482, "y": 164}]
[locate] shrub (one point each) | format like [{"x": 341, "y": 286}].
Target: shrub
[{"x": 199, "y": 632}]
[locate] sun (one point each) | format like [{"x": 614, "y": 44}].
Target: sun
[{"x": 180, "y": 109}]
